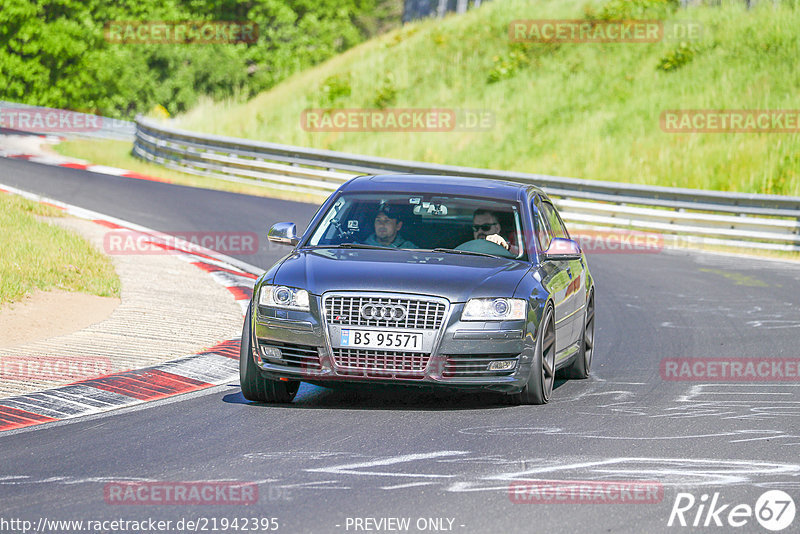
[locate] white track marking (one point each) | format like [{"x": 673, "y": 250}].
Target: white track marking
[
  {"x": 353, "y": 469},
  {"x": 410, "y": 485}
]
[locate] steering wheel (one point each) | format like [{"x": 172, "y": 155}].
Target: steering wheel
[{"x": 486, "y": 247}]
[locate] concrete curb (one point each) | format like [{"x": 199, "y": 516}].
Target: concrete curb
[{"x": 214, "y": 366}]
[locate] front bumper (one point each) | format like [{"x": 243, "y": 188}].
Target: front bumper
[{"x": 298, "y": 345}]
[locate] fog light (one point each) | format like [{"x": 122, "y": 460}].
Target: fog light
[
  {"x": 271, "y": 353},
  {"x": 502, "y": 365}
]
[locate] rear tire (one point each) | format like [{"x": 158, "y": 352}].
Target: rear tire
[
  {"x": 582, "y": 364},
  {"x": 254, "y": 386},
  {"x": 543, "y": 369}
]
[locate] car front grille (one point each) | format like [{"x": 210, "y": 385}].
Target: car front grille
[
  {"x": 381, "y": 362},
  {"x": 473, "y": 365},
  {"x": 419, "y": 314}
]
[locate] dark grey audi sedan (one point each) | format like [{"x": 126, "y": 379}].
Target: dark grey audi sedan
[{"x": 423, "y": 280}]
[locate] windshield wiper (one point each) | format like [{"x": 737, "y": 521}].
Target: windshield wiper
[
  {"x": 456, "y": 251},
  {"x": 357, "y": 245}
]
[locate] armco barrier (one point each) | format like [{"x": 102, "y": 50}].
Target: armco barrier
[{"x": 717, "y": 218}]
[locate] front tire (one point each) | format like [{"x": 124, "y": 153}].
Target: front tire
[
  {"x": 543, "y": 369},
  {"x": 254, "y": 386}
]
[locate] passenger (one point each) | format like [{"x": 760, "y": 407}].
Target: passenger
[{"x": 387, "y": 226}]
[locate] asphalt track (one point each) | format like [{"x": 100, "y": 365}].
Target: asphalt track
[{"x": 336, "y": 456}]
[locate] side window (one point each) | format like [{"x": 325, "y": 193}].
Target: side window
[
  {"x": 543, "y": 233},
  {"x": 554, "y": 221}
]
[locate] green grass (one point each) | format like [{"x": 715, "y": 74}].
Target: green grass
[
  {"x": 118, "y": 154},
  {"x": 38, "y": 255},
  {"x": 579, "y": 110}
]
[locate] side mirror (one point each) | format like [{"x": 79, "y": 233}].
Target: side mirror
[
  {"x": 563, "y": 249},
  {"x": 284, "y": 233}
]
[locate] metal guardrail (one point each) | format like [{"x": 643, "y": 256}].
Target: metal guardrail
[{"x": 717, "y": 218}]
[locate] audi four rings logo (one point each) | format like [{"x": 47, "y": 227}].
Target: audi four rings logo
[{"x": 383, "y": 311}]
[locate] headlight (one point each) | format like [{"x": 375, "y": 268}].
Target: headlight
[
  {"x": 500, "y": 309},
  {"x": 283, "y": 297}
]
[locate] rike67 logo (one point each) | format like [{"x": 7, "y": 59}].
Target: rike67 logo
[{"x": 774, "y": 510}]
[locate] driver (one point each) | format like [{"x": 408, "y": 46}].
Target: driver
[
  {"x": 485, "y": 225},
  {"x": 387, "y": 226}
]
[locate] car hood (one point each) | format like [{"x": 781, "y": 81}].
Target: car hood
[{"x": 456, "y": 277}]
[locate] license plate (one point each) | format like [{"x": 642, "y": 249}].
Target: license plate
[{"x": 372, "y": 339}]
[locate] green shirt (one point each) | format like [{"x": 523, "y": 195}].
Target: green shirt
[{"x": 398, "y": 242}]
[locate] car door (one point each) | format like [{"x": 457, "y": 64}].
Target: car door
[
  {"x": 576, "y": 272},
  {"x": 555, "y": 278},
  {"x": 578, "y": 269}
]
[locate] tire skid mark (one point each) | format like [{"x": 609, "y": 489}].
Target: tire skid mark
[{"x": 465, "y": 471}]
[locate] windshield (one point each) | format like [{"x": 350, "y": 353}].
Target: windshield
[{"x": 429, "y": 222}]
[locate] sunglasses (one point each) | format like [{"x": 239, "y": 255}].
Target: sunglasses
[{"x": 483, "y": 227}]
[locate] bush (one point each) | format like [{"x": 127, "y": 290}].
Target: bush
[
  {"x": 333, "y": 89},
  {"x": 632, "y": 9},
  {"x": 677, "y": 57},
  {"x": 506, "y": 66},
  {"x": 386, "y": 93},
  {"x": 54, "y": 52}
]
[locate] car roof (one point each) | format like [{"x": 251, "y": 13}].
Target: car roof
[{"x": 455, "y": 185}]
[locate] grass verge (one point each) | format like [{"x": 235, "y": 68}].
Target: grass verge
[{"x": 38, "y": 255}]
